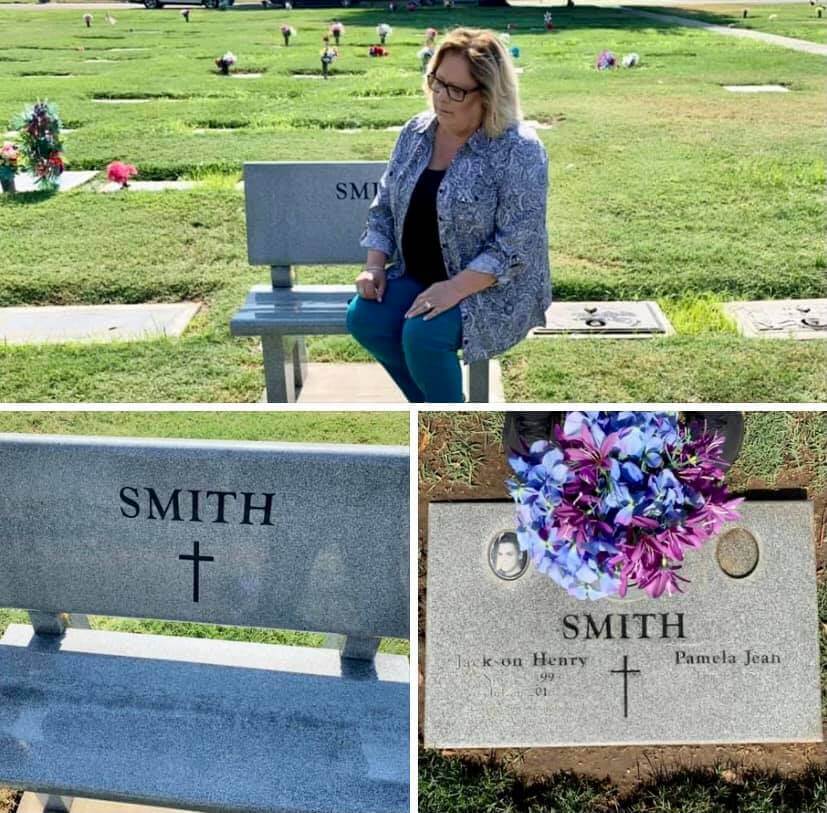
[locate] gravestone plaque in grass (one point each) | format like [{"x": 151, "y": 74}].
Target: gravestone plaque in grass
[
  {"x": 781, "y": 318},
  {"x": 516, "y": 661},
  {"x": 622, "y": 319}
]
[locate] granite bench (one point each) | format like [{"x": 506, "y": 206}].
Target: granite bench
[
  {"x": 289, "y": 536},
  {"x": 302, "y": 214}
]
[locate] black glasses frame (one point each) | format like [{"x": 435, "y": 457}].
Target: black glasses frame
[{"x": 455, "y": 94}]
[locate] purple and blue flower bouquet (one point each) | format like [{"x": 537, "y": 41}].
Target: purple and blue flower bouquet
[{"x": 617, "y": 499}]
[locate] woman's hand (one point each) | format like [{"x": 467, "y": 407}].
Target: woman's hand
[
  {"x": 440, "y": 297},
  {"x": 370, "y": 284}
]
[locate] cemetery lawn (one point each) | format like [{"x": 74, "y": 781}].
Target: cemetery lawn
[
  {"x": 799, "y": 20},
  {"x": 663, "y": 186}
]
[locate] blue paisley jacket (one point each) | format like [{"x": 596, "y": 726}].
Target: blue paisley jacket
[{"x": 491, "y": 210}]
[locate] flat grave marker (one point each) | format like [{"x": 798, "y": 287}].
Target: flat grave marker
[
  {"x": 627, "y": 320},
  {"x": 781, "y": 318},
  {"x": 513, "y": 661},
  {"x": 757, "y": 88},
  {"x": 68, "y": 180},
  {"x": 88, "y": 323}
]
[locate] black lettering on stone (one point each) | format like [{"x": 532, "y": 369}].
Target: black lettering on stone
[
  {"x": 222, "y": 495},
  {"x": 155, "y": 503},
  {"x": 591, "y": 627},
  {"x": 570, "y": 626},
  {"x": 249, "y": 507},
  {"x": 133, "y": 503}
]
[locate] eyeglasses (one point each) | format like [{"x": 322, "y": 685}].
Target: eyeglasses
[{"x": 455, "y": 94}]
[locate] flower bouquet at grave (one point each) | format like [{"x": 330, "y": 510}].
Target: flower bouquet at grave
[
  {"x": 384, "y": 31},
  {"x": 120, "y": 173},
  {"x": 226, "y": 62},
  {"x": 548, "y": 22},
  {"x": 378, "y": 50},
  {"x": 10, "y": 162},
  {"x": 337, "y": 29},
  {"x": 618, "y": 499},
  {"x": 430, "y": 37},
  {"x": 328, "y": 56},
  {"x": 424, "y": 55},
  {"x": 39, "y": 137},
  {"x": 287, "y": 31},
  {"x": 631, "y": 60},
  {"x": 606, "y": 60},
  {"x": 185, "y": 13},
  {"x": 87, "y": 18}
]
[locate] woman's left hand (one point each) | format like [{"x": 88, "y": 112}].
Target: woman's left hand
[{"x": 440, "y": 297}]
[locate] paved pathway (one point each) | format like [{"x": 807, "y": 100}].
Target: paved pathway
[{"x": 773, "y": 39}]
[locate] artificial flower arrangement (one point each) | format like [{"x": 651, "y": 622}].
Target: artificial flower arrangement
[
  {"x": 378, "y": 50},
  {"x": 39, "y": 141},
  {"x": 10, "y": 162},
  {"x": 87, "y": 18},
  {"x": 287, "y": 31},
  {"x": 120, "y": 173},
  {"x": 384, "y": 31},
  {"x": 185, "y": 13},
  {"x": 424, "y": 55},
  {"x": 226, "y": 62},
  {"x": 548, "y": 22},
  {"x": 606, "y": 60},
  {"x": 430, "y": 37},
  {"x": 617, "y": 499},
  {"x": 328, "y": 56},
  {"x": 337, "y": 29}
]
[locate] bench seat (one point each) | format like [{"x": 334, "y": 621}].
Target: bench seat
[
  {"x": 203, "y": 724},
  {"x": 302, "y": 309}
]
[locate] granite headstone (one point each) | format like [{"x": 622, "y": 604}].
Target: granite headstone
[{"x": 513, "y": 660}]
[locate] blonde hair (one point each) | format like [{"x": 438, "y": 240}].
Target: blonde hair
[{"x": 492, "y": 69}]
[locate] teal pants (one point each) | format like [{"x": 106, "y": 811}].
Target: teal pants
[{"x": 421, "y": 356}]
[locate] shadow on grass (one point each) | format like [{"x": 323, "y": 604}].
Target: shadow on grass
[{"x": 452, "y": 785}]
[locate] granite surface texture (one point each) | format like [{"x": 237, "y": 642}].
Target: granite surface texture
[
  {"x": 181, "y": 530},
  {"x": 309, "y": 212},
  {"x": 273, "y": 729},
  {"x": 521, "y": 663}
]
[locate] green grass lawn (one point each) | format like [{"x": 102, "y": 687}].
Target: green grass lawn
[
  {"x": 317, "y": 427},
  {"x": 799, "y": 20},
  {"x": 663, "y": 186}
]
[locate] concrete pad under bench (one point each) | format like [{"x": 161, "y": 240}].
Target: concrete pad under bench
[
  {"x": 67, "y": 181},
  {"x": 31, "y": 804},
  {"x": 363, "y": 383},
  {"x": 87, "y": 323},
  {"x": 217, "y": 710}
]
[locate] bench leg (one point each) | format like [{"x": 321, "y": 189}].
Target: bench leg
[
  {"x": 279, "y": 374},
  {"x": 478, "y": 382},
  {"x": 56, "y": 623},
  {"x": 355, "y": 647},
  {"x": 299, "y": 360},
  {"x": 50, "y": 804}
]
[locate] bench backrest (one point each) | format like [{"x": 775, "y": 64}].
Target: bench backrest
[
  {"x": 308, "y": 213},
  {"x": 296, "y": 536}
]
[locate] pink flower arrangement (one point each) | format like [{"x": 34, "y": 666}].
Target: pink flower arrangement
[{"x": 120, "y": 173}]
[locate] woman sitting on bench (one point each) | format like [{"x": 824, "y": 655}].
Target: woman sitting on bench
[{"x": 461, "y": 213}]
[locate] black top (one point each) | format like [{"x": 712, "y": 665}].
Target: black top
[{"x": 420, "y": 234}]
